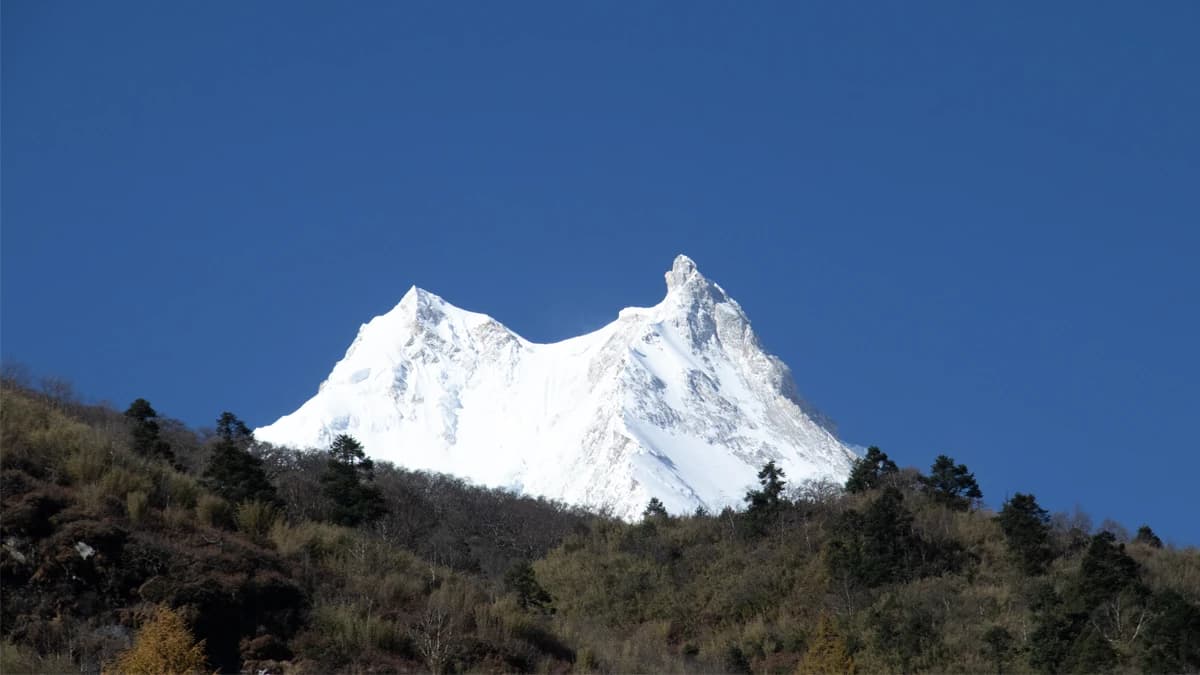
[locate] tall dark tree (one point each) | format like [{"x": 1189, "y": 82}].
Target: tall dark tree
[
  {"x": 234, "y": 431},
  {"x": 346, "y": 481},
  {"x": 877, "y": 546},
  {"x": 890, "y": 546},
  {"x": 1026, "y": 528},
  {"x": 997, "y": 643},
  {"x": 770, "y": 492},
  {"x": 868, "y": 472},
  {"x": 654, "y": 510},
  {"x": 1106, "y": 570},
  {"x": 521, "y": 581},
  {"x": 765, "y": 503},
  {"x": 951, "y": 484},
  {"x": 1146, "y": 536},
  {"x": 1172, "y": 639},
  {"x": 232, "y": 471},
  {"x": 143, "y": 426}
]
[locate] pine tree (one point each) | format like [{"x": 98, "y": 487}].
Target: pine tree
[
  {"x": 1172, "y": 637},
  {"x": 770, "y": 493},
  {"x": 345, "y": 482},
  {"x": 1026, "y": 528},
  {"x": 827, "y": 653},
  {"x": 232, "y": 471},
  {"x": 654, "y": 510},
  {"x": 164, "y": 646},
  {"x": 1106, "y": 570},
  {"x": 997, "y": 643},
  {"x": 145, "y": 431},
  {"x": 765, "y": 503},
  {"x": 521, "y": 581},
  {"x": 951, "y": 485},
  {"x": 889, "y": 544},
  {"x": 1146, "y": 536},
  {"x": 868, "y": 472}
]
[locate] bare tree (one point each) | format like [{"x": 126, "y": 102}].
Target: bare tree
[{"x": 433, "y": 635}]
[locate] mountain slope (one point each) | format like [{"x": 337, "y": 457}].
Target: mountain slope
[{"x": 676, "y": 401}]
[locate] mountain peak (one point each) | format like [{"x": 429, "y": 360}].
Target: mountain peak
[
  {"x": 682, "y": 270},
  {"x": 676, "y": 401},
  {"x": 421, "y": 305}
]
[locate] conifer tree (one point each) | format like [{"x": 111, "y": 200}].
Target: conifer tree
[
  {"x": 827, "y": 653},
  {"x": 1146, "y": 536},
  {"x": 765, "y": 503},
  {"x": 163, "y": 646},
  {"x": 522, "y": 582},
  {"x": 770, "y": 493},
  {"x": 888, "y": 543},
  {"x": 232, "y": 471},
  {"x": 868, "y": 472},
  {"x": 1172, "y": 641},
  {"x": 951, "y": 485},
  {"x": 654, "y": 510},
  {"x": 1026, "y": 528},
  {"x": 145, "y": 431},
  {"x": 997, "y": 643},
  {"x": 346, "y": 482},
  {"x": 1106, "y": 570}
]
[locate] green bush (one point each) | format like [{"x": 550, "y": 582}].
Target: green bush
[
  {"x": 214, "y": 512},
  {"x": 316, "y": 540},
  {"x": 256, "y": 518},
  {"x": 119, "y": 481},
  {"x": 135, "y": 505},
  {"x": 86, "y": 465}
]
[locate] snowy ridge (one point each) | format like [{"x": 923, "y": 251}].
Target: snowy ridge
[{"x": 676, "y": 401}]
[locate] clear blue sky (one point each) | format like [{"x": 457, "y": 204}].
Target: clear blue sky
[{"x": 970, "y": 228}]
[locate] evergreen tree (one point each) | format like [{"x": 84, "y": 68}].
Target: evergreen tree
[
  {"x": 827, "y": 653},
  {"x": 521, "y": 581},
  {"x": 1106, "y": 570},
  {"x": 997, "y": 644},
  {"x": 951, "y": 485},
  {"x": 1172, "y": 640},
  {"x": 1026, "y": 528},
  {"x": 232, "y": 430},
  {"x": 1146, "y": 536},
  {"x": 770, "y": 493},
  {"x": 654, "y": 510},
  {"x": 735, "y": 661},
  {"x": 868, "y": 472},
  {"x": 889, "y": 544},
  {"x": 877, "y": 546},
  {"x": 765, "y": 503},
  {"x": 346, "y": 482},
  {"x": 143, "y": 422},
  {"x": 232, "y": 471}
]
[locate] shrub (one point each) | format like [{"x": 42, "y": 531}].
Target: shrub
[
  {"x": 180, "y": 490},
  {"x": 318, "y": 540},
  {"x": 120, "y": 481},
  {"x": 163, "y": 645},
  {"x": 214, "y": 511},
  {"x": 85, "y": 465},
  {"x": 256, "y": 518},
  {"x": 135, "y": 505}
]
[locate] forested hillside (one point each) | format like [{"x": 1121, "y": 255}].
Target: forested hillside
[{"x": 132, "y": 543}]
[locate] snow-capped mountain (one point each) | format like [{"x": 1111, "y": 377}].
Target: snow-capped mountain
[{"x": 676, "y": 401}]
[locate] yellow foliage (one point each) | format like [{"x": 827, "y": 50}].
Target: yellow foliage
[
  {"x": 828, "y": 653},
  {"x": 164, "y": 645}
]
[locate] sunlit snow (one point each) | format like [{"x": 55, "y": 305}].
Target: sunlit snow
[{"x": 676, "y": 401}]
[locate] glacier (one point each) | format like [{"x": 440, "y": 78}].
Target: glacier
[{"x": 677, "y": 401}]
